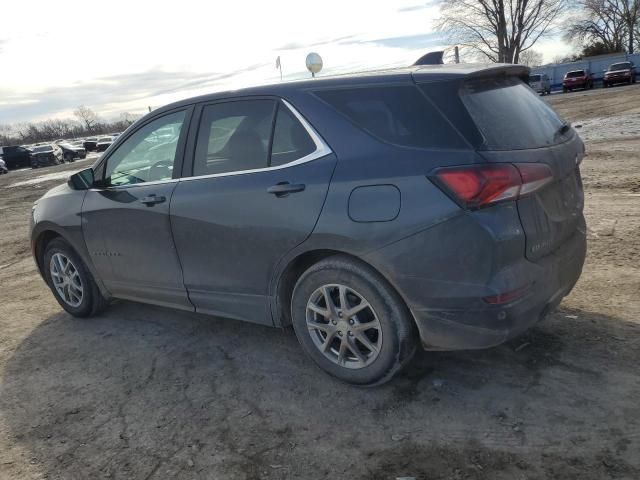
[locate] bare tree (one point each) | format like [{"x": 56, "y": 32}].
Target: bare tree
[
  {"x": 87, "y": 116},
  {"x": 630, "y": 13},
  {"x": 598, "y": 23},
  {"x": 531, "y": 58},
  {"x": 128, "y": 118},
  {"x": 499, "y": 30}
]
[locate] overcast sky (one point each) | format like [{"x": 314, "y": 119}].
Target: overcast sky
[{"x": 121, "y": 56}]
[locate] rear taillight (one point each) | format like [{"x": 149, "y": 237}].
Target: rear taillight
[{"x": 477, "y": 186}]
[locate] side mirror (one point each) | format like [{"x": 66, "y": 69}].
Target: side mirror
[{"x": 82, "y": 180}]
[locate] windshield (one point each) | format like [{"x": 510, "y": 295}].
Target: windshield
[
  {"x": 45, "y": 148},
  {"x": 576, "y": 73},
  {"x": 534, "y": 78},
  {"x": 620, "y": 66},
  {"x": 510, "y": 115}
]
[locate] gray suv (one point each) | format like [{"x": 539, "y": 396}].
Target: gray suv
[{"x": 438, "y": 206}]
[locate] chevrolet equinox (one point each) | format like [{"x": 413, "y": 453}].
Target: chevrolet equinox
[{"x": 438, "y": 206}]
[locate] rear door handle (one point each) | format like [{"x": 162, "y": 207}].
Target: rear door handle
[
  {"x": 152, "y": 200},
  {"x": 283, "y": 189}
]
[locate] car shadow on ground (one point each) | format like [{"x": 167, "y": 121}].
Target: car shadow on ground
[{"x": 145, "y": 392}]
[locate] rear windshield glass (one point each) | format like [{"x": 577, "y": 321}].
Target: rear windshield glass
[
  {"x": 577, "y": 73},
  {"x": 619, "y": 66},
  {"x": 396, "y": 114},
  {"x": 534, "y": 78},
  {"x": 43, "y": 149},
  {"x": 510, "y": 115}
]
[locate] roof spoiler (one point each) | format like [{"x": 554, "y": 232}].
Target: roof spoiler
[{"x": 503, "y": 69}]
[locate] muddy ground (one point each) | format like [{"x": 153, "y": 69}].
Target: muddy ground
[{"x": 149, "y": 393}]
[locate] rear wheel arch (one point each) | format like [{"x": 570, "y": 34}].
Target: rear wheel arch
[{"x": 301, "y": 263}]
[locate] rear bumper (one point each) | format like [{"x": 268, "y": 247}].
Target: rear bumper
[
  {"x": 550, "y": 279},
  {"x": 579, "y": 84}
]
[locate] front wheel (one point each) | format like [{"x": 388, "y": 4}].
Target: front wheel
[
  {"x": 70, "y": 281},
  {"x": 351, "y": 323}
]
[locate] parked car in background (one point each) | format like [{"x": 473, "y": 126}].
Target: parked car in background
[
  {"x": 46, "y": 155},
  {"x": 72, "y": 152},
  {"x": 103, "y": 143},
  {"x": 3, "y": 167},
  {"x": 15, "y": 156},
  {"x": 622, "y": 72},
  {"x": 540, "y": 83},
  {"x": 374, "y": 213},
  {"x": 577, "y": 79},
  {"x": 90, "y": 144}
]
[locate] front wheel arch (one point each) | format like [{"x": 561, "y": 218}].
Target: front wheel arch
[{"x": 40, "y": 246}]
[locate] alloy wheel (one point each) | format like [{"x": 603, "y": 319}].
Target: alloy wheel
[
  {"x": 66, "y": 279},
  {"x": 344, "y": 326}
]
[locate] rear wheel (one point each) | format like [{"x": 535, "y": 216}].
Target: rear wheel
[
  {"x": 70, "y": 281},
  {"x": 351, "y": 322}
]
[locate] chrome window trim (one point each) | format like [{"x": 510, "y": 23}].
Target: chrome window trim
[
  {"x": 132, "y": 185},
  {"x": 322, "y": 150}
]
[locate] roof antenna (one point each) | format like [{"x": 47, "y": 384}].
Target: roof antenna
[{"x": 431, "y": 58}]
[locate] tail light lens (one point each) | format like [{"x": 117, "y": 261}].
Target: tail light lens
[{"x": 477, "y": 186}]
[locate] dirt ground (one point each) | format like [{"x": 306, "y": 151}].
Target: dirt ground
[{"x": 149, "y": 393}]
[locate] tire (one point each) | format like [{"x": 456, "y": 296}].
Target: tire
[
  {"x": 91, "y": 302},
  {"x": 392, "y": 340},
  {"x": 564, "y": 90}
]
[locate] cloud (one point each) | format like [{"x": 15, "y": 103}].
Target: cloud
[
  {"x": 422, "y": 6},
  {"x": 105, "y": 94},
  {"x": 301, "y": 45},
  {"x": 413, "y": 42}
]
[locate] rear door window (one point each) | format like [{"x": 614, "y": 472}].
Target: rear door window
[
  {"x": 234, "y": 136},
  {"x": 510, "y": 115},
  {"x": 395, "y": 114}
]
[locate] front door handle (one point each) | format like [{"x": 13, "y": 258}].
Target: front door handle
[
  {"x": 152, "y": 199},
  {"x": 283, "y": 189}
]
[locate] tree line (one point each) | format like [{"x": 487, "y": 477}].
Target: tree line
[
  {"x": 505, "y": 31},
  {"x": 86, "y": 123}
]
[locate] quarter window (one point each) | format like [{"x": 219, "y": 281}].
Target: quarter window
[
  {"x": 234, "y": 136},
  {"x": 148, "y": 155},
  {"x": 290, "y": 139},
  {"x": 395, "y": 114}
]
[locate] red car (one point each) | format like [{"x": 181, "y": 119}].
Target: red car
[
  {"x": 577, "y": 79},
  {"x": 623, "y": 72}
]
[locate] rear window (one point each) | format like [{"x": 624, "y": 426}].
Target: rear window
[
  {"x": 534, "y": 78},
  {"x": 396, "y": 114},
  {"x": 43, "y": 149},
  {"x": 576, "y": 73},
  {"x": 510, "y": 115}
]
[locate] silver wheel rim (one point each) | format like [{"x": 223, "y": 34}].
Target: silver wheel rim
[
  {"x": 66, "y": 279},
  {"x": 343, "y": 326}
]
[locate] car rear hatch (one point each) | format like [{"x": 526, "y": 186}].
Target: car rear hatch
[{"x": 508, "y": 123}]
